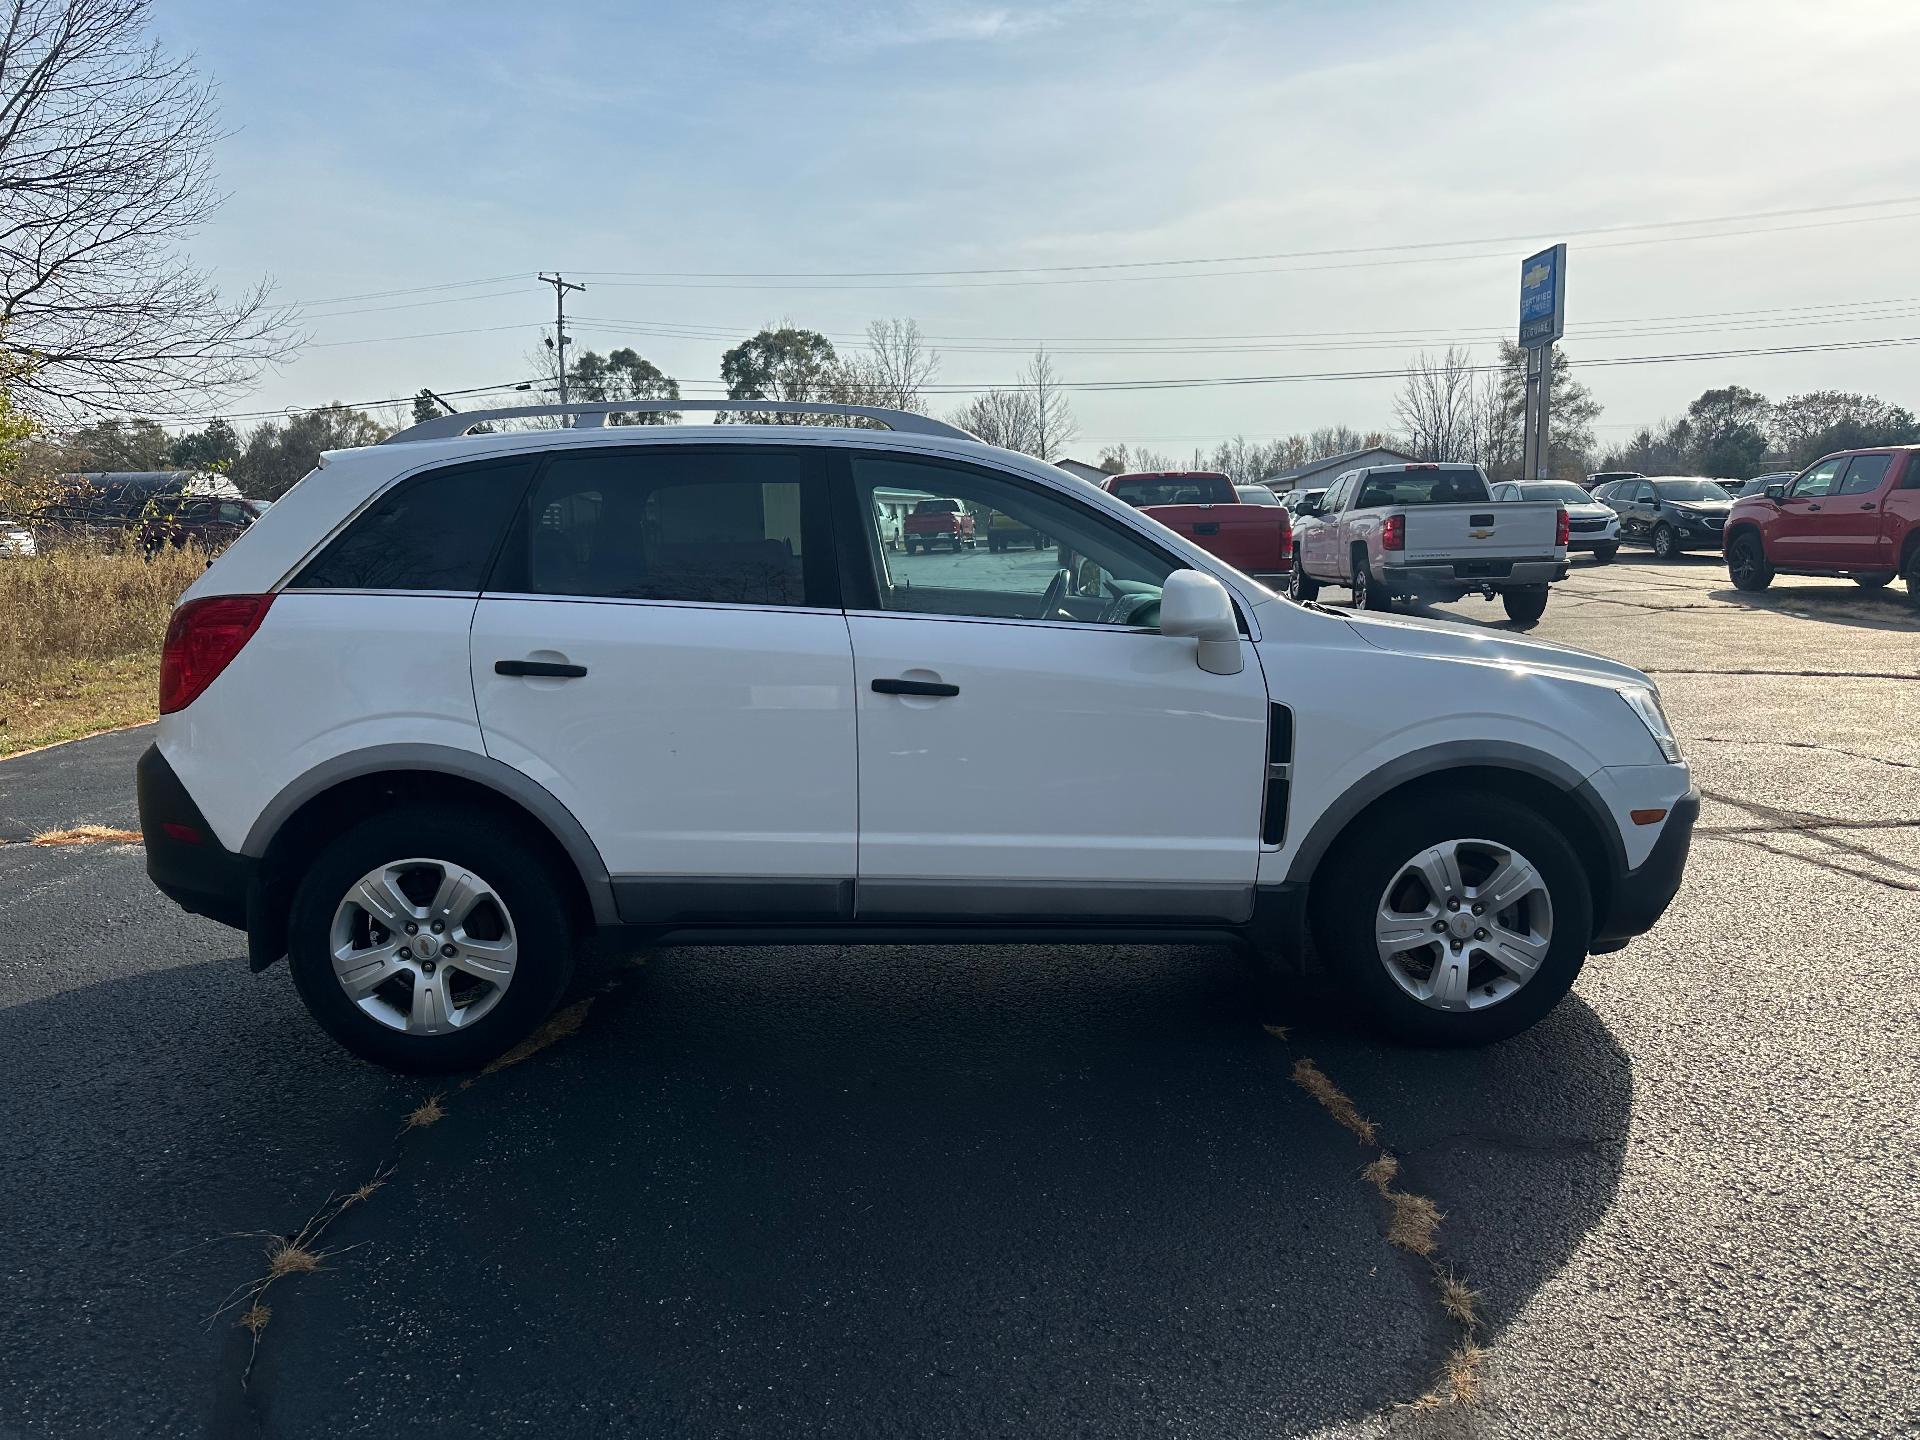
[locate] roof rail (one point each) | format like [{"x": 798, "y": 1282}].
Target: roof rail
[{"x": 592, "y": 414}]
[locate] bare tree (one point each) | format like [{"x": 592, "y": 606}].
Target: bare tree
[
  {"x": 104, "y": 172},
  {"x": 1436, "y": 404},
  {"x": 1001, "y": 417},
  {"x": 1053, "y": 424},
  {"x": 894, "y": 369}
]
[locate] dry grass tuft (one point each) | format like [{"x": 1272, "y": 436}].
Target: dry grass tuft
[
  {"x": 80, "y": 631},
  {"x": 428, "y": 1112},
  {"x": 291, "y": 1257},
  {"x": 363, "y": 1194},
  {"x": 1279, "y": 1032},
  {"x": 88, "y": 835},
  {"x": 1413, "y": 1221},
  {"x": 1382, "y": 1172},
  {"x": 255, "y": 1320},
  {"x": 559, "y": 1026},
  {"x": 1309, "y": 1077},
  {"x": 1457, "y": 1298}
]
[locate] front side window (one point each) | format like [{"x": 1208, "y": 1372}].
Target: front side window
[
  {"x": 732, "y": 526},
  {"x": 1819, "y": 480},
  {"x": 1089, "y": 569},
  {"x": 436, "y": 531},
  {"x": 1864, "y": 474}
]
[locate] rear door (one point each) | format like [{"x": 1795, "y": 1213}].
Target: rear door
[
  {"x": 661, "y": 646},
  {"x": 1799, "y": 534},
  {"x": 1030, "y": 744},
  {"x": 1852, "y": 535}
]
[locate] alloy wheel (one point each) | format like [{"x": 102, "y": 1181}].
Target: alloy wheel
[
  {"x": 1464, "y": 924},
  {"x": 423, "y": 946}
]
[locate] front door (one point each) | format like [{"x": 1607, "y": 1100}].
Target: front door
[
  {"x": 662, "y": 647},
  {"x": 1802, "y": 531},
  {"x": 1030, "y": 745}
]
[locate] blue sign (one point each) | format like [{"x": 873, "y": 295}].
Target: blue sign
[{"x": 1543, "y": 297}]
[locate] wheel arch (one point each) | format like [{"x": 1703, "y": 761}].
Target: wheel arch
[
  {"x": 1540, "y": 780},
  {"x": 313, "y": 808}
]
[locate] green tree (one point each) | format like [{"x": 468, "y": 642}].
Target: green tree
[
  {"x": 624, "y": 374},
  {"x": 1728, "y": 428},
  {"x": 214, "y": 448},
  {"x": 277, "y": 453},
  {"x": 780, "y": 364},
  {"x": 119, "y": 445},
  {"x": 1822, "y": 421},
  {"x": 1571, "y": 413}
]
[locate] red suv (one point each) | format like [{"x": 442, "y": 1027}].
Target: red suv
[{"x": 1856, "y": 513}]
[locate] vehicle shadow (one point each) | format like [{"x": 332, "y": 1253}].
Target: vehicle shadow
[
  {"x": 1838, "y": 602},
  {"x": 1035, "y": 1190}
]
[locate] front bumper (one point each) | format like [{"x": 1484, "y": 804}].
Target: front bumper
[
  {"x": 1637, "y": 898},
  {"x": 184, "y": 858}
]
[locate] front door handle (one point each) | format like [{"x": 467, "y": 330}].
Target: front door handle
[
  {"x": 1867, "y": 506},
  {"x": 914, "y": 687},
  {"x": 1813, "y": 507},
  {"x": 550, "y": 668}
]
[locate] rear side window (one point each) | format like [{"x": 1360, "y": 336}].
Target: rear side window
[
  {"x": 743, "y": 525},
  {"x": 436, "y": 531},
  {"x": 1864, "y": 474}
]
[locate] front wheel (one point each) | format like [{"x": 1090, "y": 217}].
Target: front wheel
[
  {"x": 1525, "y": 606},
  {"x": 430, "y": 939},
  {"x": 1301, "y": 587},
  {"x": 1747, "y": 563},
  {"x": 1603, "y": 554},
  {"x": 1367, "y": 593},
  {"x": 1459, "y": 920},
  {"x": 1666, "y": 544}
]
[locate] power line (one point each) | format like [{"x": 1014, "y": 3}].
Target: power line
[{"x": 411, "y": 290}]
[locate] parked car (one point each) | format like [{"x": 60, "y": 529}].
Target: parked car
[
  {"x": 15, "y": 539},
  {"x": 1731, "y": 486},
  {"x": 1591, "y": 524},
  {"x": 1671, "y": 513},
  {"x": 1609, "y": 477},
  {"x": 1429, "y": 531},
  {"x": 1297, "y": 500},
  {"x": 1853, "y": 514},
  {"x": 460, "y": 699},
  {"x": 1256, "y": 495},
  {"x": 153, "y": 508},
  {"x": 1004, "y": 531},
  {"x": 1759, "y": 483},
  {"x": 1203, "y": 505},
  {"x": 938, "y": 522}
]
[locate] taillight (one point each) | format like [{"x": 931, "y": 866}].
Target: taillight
[
  {"x": 1393, "y": 533},
  {"x": 1563, "y": 531},
  {"x": 202, "y": 638},
  {"x": 1286, "y": 537}
]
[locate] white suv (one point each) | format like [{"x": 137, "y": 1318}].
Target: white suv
[{"x": 457, "y": 699}]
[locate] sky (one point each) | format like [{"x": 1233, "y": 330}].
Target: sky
[{"x": 708, "y": 169}]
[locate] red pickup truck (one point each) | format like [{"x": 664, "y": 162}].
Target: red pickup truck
[
  {"x": 933, "y": 522},
  {"x": 1856, "y": 513},
  {"x": 1256, "y": 540}
]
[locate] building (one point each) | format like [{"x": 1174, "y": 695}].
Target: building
[
  {"x": 1318, "y": 474},
  {"x": 1080, "y": 470}
]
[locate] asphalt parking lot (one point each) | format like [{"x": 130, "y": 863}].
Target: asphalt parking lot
[{"x": 1019, "y": 1191}]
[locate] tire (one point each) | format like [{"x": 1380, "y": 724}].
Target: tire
[
  {"x": 1747, "y": 563},
  {"x": 1666, "y": 545},
  {"x": 1301, "y": 587},
  {"x": 532, "y": 913},
  {"x": 1366, "y": 594},
  {"x": 1873, "y": 582},
  {"x": 912, "y": 549},
  {"x": 994, "y": 547},
  {"x": 1603, "y": 554},
  {"x": 1910, "y": 569},
  {"x": 1524, "y": 607},
  {"x": 1376, "y": 853}
]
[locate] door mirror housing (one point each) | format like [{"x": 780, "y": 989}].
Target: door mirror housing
[
  {"x": 1194, "y": 604},
  {"x": 1307, "y": 507},
  {"x": 1778, "y": 490}
]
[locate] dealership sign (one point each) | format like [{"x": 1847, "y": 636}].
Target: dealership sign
[{"x": 1543, "y": 297}]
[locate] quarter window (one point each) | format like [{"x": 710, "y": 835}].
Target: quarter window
[
  {"x": 1019, "y": 552},
  {"x": 739, "y": 526},
  {"x": 436, "y": 531},
  {"x": 1864, "y": 474}
]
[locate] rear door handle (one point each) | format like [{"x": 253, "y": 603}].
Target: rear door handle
[
  {"x": 551, "y": 668},
  {"x": 914, "y": 687},
  {"x": 1207, "y": 527}
]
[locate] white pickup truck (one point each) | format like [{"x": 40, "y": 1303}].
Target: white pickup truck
[{"x": 1429, "y": 531}]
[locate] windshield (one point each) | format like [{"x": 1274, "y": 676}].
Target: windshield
[
  {"x": 1688, "y": 490},
  {"x": 1564, "y": 491}
]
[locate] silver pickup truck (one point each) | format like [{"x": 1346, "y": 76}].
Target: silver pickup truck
[{"x": 1428, "y": 531}]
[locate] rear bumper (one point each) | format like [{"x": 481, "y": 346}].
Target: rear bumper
[
  {"x": 1637, "y": 898},
  {"x": 1541, "y": 571},
  {"x": 184, "y": 859}
]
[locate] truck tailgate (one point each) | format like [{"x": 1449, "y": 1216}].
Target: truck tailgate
[
  {"x": 1510, "y": 531},
  {"x": 1251, "y": 538}
]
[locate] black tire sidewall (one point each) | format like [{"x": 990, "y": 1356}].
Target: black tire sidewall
[
  {"x": 480, "y": 842},
  {"x": 1528, "y": 613},
  {"x": 1363, "y": 861},
  {"x": 1761, "y": 575}
]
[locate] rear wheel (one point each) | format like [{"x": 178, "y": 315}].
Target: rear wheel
[
  {"x": 1747, "y": 563},
  {"x": 1666, "y": 545},
  {"x": 1367, "y": 593},
  {"x": 1458, "y": 920},
  {"x": 1603, "y": 554},
  {"x": 1525, "y": 606},
  {"x": 1301, "y": 587},
  {"x": 430, "y": 939},
  {"x": 1873, "y": 582}
]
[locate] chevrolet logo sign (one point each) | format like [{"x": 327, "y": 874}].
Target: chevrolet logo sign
[
  {"x": 1479, "y": 534},
  {"x": 1538, "y": 275}
]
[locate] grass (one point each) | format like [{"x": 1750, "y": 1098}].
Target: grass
[
  {"x": 88, "y": 835},
  {"x": 80, "y": 632},
  {"x": 1312, "y": 1079}
]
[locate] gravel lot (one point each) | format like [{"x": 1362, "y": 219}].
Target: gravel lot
[{"x": 1032, "y": 1191}]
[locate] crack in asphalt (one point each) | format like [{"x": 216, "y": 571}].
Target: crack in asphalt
[
  {"x": 1813, "y": 860},
  {"x": 1800, "y": 745},
  {"x": 1782, "y": 821}
]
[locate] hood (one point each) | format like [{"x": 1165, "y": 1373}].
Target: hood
[
  {"x": 1451, "y": 640},
  {"x": 1704, "y": 507},
  {"x": 1593, "y": 510}
]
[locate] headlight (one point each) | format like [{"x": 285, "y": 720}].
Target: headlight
[{"x": 1644, "y": 703}]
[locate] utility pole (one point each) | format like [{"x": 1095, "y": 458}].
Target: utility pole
[{"x": 560, "y": 337}]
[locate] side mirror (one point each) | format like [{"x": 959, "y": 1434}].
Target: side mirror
[
  {"x": 1778, "y": 490},
  {"x": 1197, "y": 605}
]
